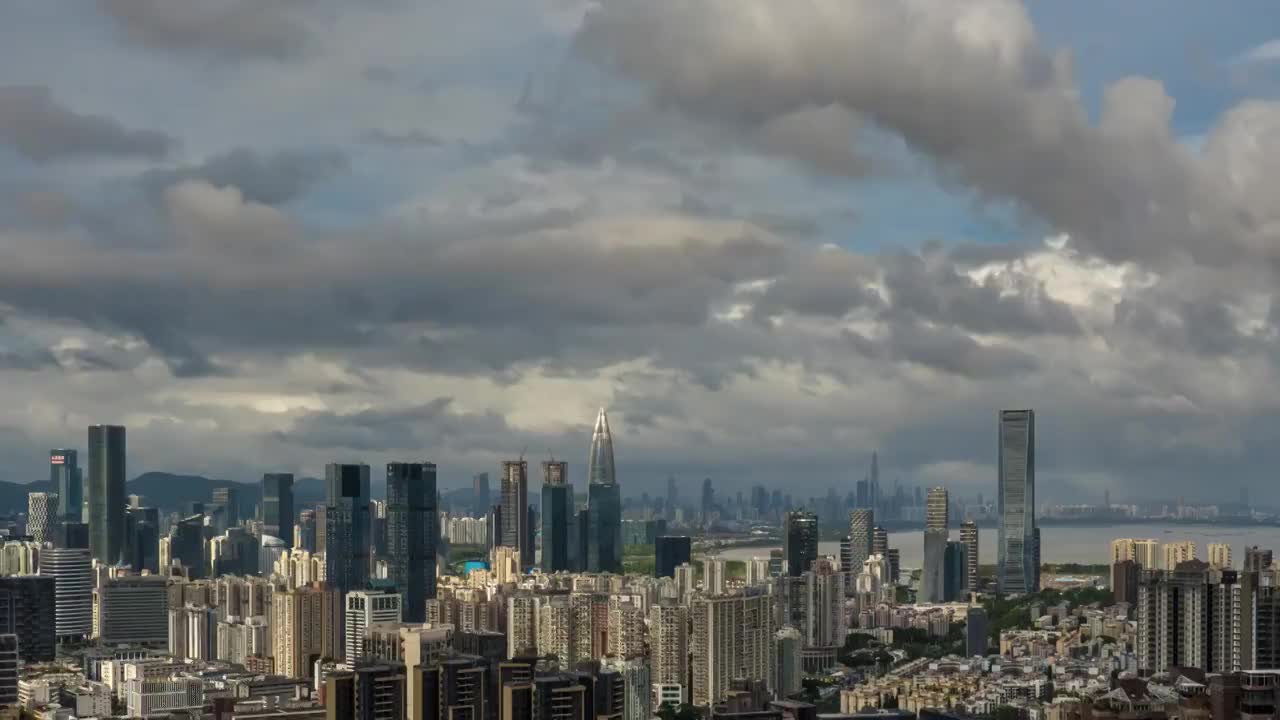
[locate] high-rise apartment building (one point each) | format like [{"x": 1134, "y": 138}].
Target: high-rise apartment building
[
  {"x": 1125, "y": 575},
  {"x": 42, "y": 516},
  {"x": 72, "y": 573},
  {"x": 1196, "y": 617},
  {"x": 412, "y": 535},
  {"x": 671, "y": 551},
  {"x": 669, "y": 652},
  {"x": 106, "y": 492},
  {"x": 861, "y": 538},
  {"x": 1220, "y": 556},
  {"x": 715, "y": 576},
  {"x": 348, "y": 538},
  {"x": 1178, "y": 552},
  {"x": 824, "y": 617},
  {"x": 514, "y": 515},
  {"x": 933, "y": 588},
  {"x": 277, "y": 506},
  {"x": 66, "y": 482},
  {"x": 604, "y": 502},
  {"x": 304, "y": 628},
  {"x": 1256, "y": 559},
  {"x": 969, "y": 537},
  {"x": 732, "y": 639},
  {"x": 364, "y": 609},
  {"x": 1016, "y": 568},
  {"x": 799, "y": 541},
  {"x": 558, "y": 552},
  {"x": 368, "y": 692}
]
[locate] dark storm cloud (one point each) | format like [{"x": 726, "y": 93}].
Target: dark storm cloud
[
  {"x": 228, "y": 29},
  {"x": 43, "y": 130},
  {"x": 930, "y": 286},
  {"x": 270, "y": 178},
  {"x": 953, "y": 352}
]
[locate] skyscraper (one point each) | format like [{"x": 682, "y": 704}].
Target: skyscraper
[
  {"x": 933, "y": 575},
  {"x": 42, "y": 516},
  {"x": 364, "y": 608},
  {"x": 411, "y": 535},
  {"x": 861, "y": 523},
  {"x": 277, "y": 506},
  {"x": 557, "y": 518},
  {"x": 969, "y": 536},
  {"x": 65, "y": 480},
  {"x": 670, "y": 551},
  {"x": 732, "y": 638},
  {"x": 72, "y": 573},
  {"x": 106, "y": 492},
  {"x": 514, "y": 517},
  {"x": 800, "y": 541},
  {"x": 1016, "y": 566},
  {"x": 480, "y": 496},
  {"x": 347, "y": 538},
  {"x": 228, "y": 499},
  {"x": 604, "y": 503},
  {"x": 873, "y": 485}
]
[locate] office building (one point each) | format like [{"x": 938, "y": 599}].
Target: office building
[
  {"x": 861, "y": 538},
  {"x": 1016, "y": 569},
  {"x": 134, "y": 609},
  {"x": 514, "y": 510},
  {"x": 412, "y": 535},
  {"x": 227, "y": 500},
  {"x": 1220, "y": 556},
  {"x": 72, "y": 573},
  {"x": 879, "y": 541},
  {"x": 933, "y": 588},
  {"x": 604, "y": 502},
  {"x": 671, "y": 551},
  {"x": 304, "y": 628},
  {"x": 70, "y": 534},
  {"x": 42, "y": 511},
  {"x": 347, "y": 528},
  {"x": 368, "y": 692},
  {"x": 669, "y": 652},
  {"x": 558, "y": 553},
  {"x": 277, "y": 507},
  {"x": 969, "y": 536},
  {"x": 364, "y": 608},
  {"x": 955, "y": 571},
  {"x": 159, "y": 697},
  {"x": 106, "y": 492},
  {"x": 800, "y": 541},
  {"x": 141, "y": 539},
  {"x": 732, "y": 639},
  {"x": 975, "y": 632},
  {"x": 187, "y": 547},
  {"x": 305, "y": 535},
  {"x": 66, "y": 482},
  {"x": 27, "y": 604}
]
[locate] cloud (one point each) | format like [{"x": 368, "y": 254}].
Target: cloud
[
  {"x": 227, "y": 29},
  {"x": 267, "y": 178},
  {"x": 43, "y": 130},
  {"x": 410, "y": 138},
  {"x": 1264, "y": 53}
]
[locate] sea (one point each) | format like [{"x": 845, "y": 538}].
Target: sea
[{"x": 1087, "y": 545}]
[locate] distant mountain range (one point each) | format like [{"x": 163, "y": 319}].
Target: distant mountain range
[{"x": 168, "y": 492}]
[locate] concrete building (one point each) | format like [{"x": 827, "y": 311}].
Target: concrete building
[
  {"x": 732, "y": 639},
  {"x": 365, "y": 608},
  {"x": 72, "y": 573},
  {"x": 304, "y": 628},
  {"x": 42, "y": 516},
  {"x": 669, "y": 653}
]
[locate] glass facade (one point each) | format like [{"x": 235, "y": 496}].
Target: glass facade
[
  {"x": 411, "y": 535},
  {"x": 106, "y": 492},
  {"x": 1016, "y": 566}
]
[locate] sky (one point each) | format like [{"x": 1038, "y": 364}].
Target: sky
[{"x": 770, "y": 237}]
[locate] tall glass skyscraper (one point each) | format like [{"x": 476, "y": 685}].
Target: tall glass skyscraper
[
  {"x": 65, "y": 480},
  {"x": 277, "y": 506},
  {"x": 799, "y": 541},
  {"x": 861, "y": 522},
  {"x": 1016, "y": 567},
  {"x": 514, "y": 510},
  {"x": 347, "y": 537},
  {"x": 106, "y": 492},
  {"x": 604, "y": 503},
  {"x": 411, "y": 535},
  {"x": 933, "y": 587},
  {"x": 557, "y": 518}
]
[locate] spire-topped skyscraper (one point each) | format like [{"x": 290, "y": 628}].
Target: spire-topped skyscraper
[
  {"x": 604, "y": 503},
  {"x": 600, "y": 466}
]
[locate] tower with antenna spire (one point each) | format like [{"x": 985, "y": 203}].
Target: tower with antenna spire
[{"x": 604, "y": 502}]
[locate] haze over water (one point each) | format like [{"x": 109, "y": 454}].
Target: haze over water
[{"x": 1071, "y": 543}]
